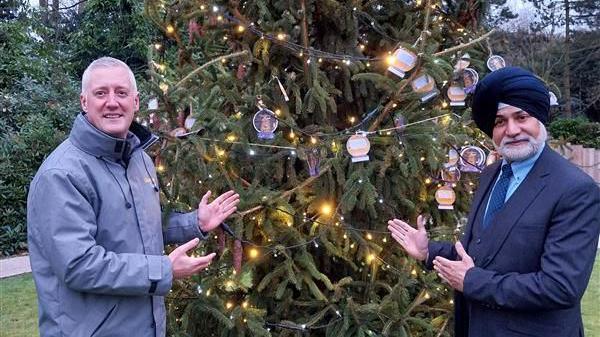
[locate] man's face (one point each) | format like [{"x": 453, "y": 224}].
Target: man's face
[
  {"x": 110, "y": 100},
  {"x": 517, "y": 135}
]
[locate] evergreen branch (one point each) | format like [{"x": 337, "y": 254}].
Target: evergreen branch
[
  {"x": 417, "y": 301},
  {"x": 425, "y": 32},
  {"x": 304, "y": 183},
  {"x": 251, "y": 210},
  {"x": 439, "y": 334},
  {"x": 205, "y": 65},
  {"x": 305, "y": 41},
  {"x": 465, "y": 45},
  {"x": 390, "y": 105}
]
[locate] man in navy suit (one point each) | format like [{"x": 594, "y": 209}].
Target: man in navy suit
[{"x": 526, "y": 257}]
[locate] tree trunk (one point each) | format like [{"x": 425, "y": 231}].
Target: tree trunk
[
  {"x": 567, "y": 71},
  {"x": 44, "y": 11},
  {"x": 55, "y": 13}
]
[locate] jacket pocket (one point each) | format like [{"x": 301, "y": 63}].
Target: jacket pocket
[
  {"x": 531, "y": 327},
  {"x": 94, "y": 321}
]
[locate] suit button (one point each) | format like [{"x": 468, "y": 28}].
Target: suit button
[{"x": 478, "y": 241}]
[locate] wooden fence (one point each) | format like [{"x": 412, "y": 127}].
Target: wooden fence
[{"x": 587, "y": 159}]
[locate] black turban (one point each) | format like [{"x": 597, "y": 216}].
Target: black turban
[{"x": 513, "y": 86}]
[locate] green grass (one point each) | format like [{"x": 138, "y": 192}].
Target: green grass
[
  {"x": 18, "y": 306},
  {"x": 590, "y": 304}
]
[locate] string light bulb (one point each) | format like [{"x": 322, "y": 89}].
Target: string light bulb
[
  {"x": 390, "y": 59},
  {"x": 326, "y": 209},
  {"x": 229, "y": 305},
  {"x": 241, "y": 29},
  {"x": 170, "y": 29},
  {"x": 253, "y": 253}
]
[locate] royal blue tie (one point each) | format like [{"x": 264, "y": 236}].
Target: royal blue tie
[{"x": 498, "y": 195}]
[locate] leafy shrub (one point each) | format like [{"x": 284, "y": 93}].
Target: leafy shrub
[{"x": 577, "y": 131}]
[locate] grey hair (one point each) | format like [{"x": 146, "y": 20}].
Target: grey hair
[{"x": 106, "y": 62}]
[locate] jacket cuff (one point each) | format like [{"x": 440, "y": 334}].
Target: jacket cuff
[
  {"x": 160, "y": 274},
  {"x": 432, "y": 249},
  {"x": 472, "y": 284},
  {"x": 183, "y": 227}
]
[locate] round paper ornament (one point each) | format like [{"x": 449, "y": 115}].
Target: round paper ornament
[
  {"x": 424, "y": 85},
  {"x": 358, "y": 146},
  {"x": 495, "y": 62},
  {"x": 402, "y": 61},
  {"x": 470, "y": 79},
  {"x": 456, "y": 94},
  {"x": 265, "y": 123},
  {"x": 445, "y": 197},
  {"x": 472, "y": 159},
  {"x": 463, "y": 62},
  {"x": 450, "y": 174},
  {"x": 452, "y": 157}
]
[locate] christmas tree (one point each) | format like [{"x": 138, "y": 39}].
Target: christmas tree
[{"x": 328, "y": 118}]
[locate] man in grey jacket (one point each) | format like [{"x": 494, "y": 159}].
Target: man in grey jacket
[{"x": 94, "y": 220}]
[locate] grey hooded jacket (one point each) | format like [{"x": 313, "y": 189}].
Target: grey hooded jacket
[{"x": 95, "y": 237}]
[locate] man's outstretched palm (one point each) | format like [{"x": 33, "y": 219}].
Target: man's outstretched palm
[
  {"x": 414, "y": 241},
  {"x": 211, "y": 215}
]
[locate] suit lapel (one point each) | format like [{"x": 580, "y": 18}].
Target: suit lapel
[
  {"x": 485, "y": 182},
  {"x": 518, "y": 203}
]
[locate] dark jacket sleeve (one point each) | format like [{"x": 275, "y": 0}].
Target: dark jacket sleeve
[
  {"x": 443, "y": 249},
  {"x": 565, "y": 265}
]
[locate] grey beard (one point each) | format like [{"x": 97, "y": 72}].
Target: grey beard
[{"x": 520, "y": 153}]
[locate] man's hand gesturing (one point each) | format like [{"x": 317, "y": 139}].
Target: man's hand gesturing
[
  {"x": 210, "y": 215},
  {"x": 183, "y": 265},
  {"x": 414, "y": 241}
]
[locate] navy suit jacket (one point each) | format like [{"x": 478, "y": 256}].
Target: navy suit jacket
[{"x": 534, "y": 261}]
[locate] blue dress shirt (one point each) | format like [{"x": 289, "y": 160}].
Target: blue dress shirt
[{"x": 520, "y": 171}]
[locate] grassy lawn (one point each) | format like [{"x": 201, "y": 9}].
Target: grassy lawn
[
  {"x": 18, "y": 306},
  {"x": 590, "y": 305}
]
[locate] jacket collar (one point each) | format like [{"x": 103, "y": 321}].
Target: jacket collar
[{"x": 89, "y": 139}]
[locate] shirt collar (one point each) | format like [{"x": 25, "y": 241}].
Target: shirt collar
[{"x": 520, "y": 169}]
